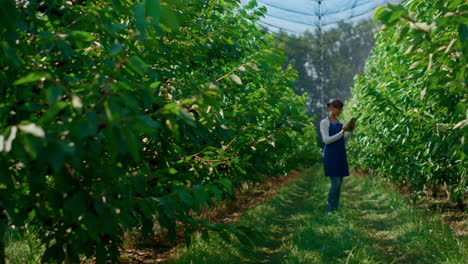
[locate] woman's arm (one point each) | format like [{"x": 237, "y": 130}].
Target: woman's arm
[
  {"x": 327, "y": 139},
  {"x": 347, "y": 136}
]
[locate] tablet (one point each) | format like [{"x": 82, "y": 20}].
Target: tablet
[{"x": 350, "y": 123}]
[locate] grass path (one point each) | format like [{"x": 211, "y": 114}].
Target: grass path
[{"x": 374, "y": 225}]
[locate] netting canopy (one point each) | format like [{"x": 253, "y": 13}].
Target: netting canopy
[{"x": 299, "y": 16}]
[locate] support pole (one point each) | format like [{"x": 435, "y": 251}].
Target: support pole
[{"x": 320, "y": 72}]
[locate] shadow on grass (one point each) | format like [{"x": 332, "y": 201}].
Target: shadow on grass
[{"x": 278, "y": 220}]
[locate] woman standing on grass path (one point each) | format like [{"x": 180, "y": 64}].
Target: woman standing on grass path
[{"x": 334, "y": 153}]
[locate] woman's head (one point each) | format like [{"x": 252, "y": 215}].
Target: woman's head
[{"x": 335, "y": 106}]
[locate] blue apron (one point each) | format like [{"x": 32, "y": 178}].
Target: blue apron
[{"x": 334, "y": 154}]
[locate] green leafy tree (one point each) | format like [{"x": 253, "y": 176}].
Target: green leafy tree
[{"x": 412, "y": 98}]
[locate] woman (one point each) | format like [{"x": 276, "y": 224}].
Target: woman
[{"x": 334, "y": 153}]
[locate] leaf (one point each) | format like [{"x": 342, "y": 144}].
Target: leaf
[
  {"x": 187, "y": 116},
  {"x": 450, "y": 45},
  {"x": 146, "y": 125},
  {"x": 380, "y": 12},
  {"x": 226, "y": 184},
  {"x": 138, "y": 65},
  {"x": 76, "y": 204},
  {"x": 421, "y": 26},
  {"x": 11, "y": 137},
  {"x": 244, "y": 239},
  {"x": 397, "y": 7},
  {"x": 201, "y": 196},
  {"x": 188, "y": 237},
  {"x": 115, "y": 48},
  {"x": 252, "y": 65},
  {"x": 186, "y": 198},
  {"x": 52, "y": 112},
  {"x": 53, "y": 93},
  {"x": 423, "y": 92},
  {"x": 170, "y": 19},
  {"x": 461, "y": 124},
  {"x": 235, "y": 78},
  {"x": 225, "y": 236},
  {"x": 117, "y": 5},
  {"x": 56, "y": 156},
  {"x": 153, "y": 9},
  {"x": 414, "y": 65},
  {"x": 397, "y": 12},
  {"x": 113, "y": 28},
  {"x": 32, "y": 129},
  {"x": 216, "y": 192},
  {"x": 108, "y": 110},
  {"x": 76, "y": 102},
  {"x": 431, "y": 61},
  {"x": 409, "y": 50},
  {"x": 9, "y": 54},
  {"x": 132, "y": 143},
  {"x": 271, "y": 142},
  {"x": 463, "y": 31},
  {"x": 82, "y": 35},
  {"x": 8, "y": 14},
  {"x": 140, "y": 21},
  {"x": 155, "y": 85},
  {"x": 32, "y": 77},
  {"x": 54, "y": 254}
]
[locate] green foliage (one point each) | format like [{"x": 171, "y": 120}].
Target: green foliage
[
  {"x": 117, "y": 113},
  {"x": 412, "y": 99}
]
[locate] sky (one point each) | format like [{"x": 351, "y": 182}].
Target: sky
[{"x": 298, "y": 16}]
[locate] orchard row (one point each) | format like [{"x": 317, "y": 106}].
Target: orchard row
[{"x": 119, "y": 114}]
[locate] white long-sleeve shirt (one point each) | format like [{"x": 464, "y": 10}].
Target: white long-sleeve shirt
[{"x": 324, "y": 131}]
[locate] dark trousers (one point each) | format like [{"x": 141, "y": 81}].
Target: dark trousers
[{"x": 334, "y": 194}]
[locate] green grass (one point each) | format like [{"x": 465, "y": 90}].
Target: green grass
[
  {"x": 373, "y": 225},
  {"x": 22, "y": 247}
]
